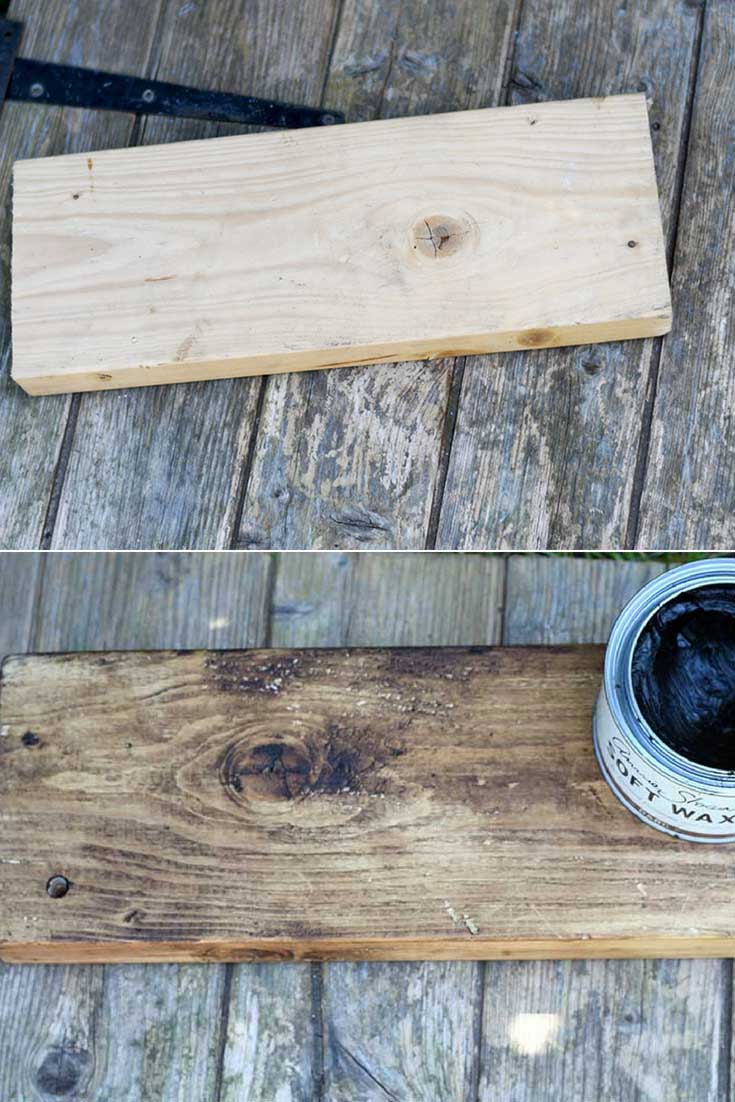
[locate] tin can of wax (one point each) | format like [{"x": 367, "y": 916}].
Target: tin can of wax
[{"x": 659, "y": 784}]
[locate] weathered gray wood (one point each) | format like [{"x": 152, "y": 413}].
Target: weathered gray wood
[
  {"x": 689, "y": 496},
  {"x": 140, "y": 461},
  {"x": 158, "y": 1033},
  {"x": 565, "y": 599},
  {"x": 405, "y": 1030},
  {"x": 545, "y": 447},
  {"x": 401, "y": 1031},
  {"x": 163, "y": 468},
  {"x": 48, "y": 1031},
  {"x": 153, "y": 601},
  {"x": 110, "y": 36},
  {"x": 269, "y": 1053},
  {"x": 20, "y": 578},
  {"x": 625, "y": 1031},
  {"x": 383, "y": 599},
  {"x": 619, "y": 1030},
  {"x": 349, "y": 458},
  {"x": 339, "y": 461}
]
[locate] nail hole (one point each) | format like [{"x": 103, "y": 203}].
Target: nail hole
[
  {"x": 30, "y": 738},
  {"x": 57, "y": 887},
  {"x": 632, "y": 244}
]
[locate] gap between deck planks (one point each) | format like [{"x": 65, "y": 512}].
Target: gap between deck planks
[
  {"x": 465, "y": 49},
  {"x": 353, "y": 461},
  {"x": 169, "y": 436},
  {"x": 32, "y": 434},
  {"x": 687, "y": 482},
  {"x": 546, "y": 454}
]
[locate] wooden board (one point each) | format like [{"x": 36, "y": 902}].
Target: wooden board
[
  {"x": 545, "y": 452},
  {"x": 476, "y": 231},
  {"x": 693, "y": 504},
  {"x": 331, "y": 804},
  {"x": 423, "y": 1029}
]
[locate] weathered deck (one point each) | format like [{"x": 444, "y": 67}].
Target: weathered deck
[
  {"x": 622, "y": 1031},
  {"x": 621, "y": 444}
]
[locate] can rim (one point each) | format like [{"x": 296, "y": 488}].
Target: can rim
[{"x": 618, "y": 677}]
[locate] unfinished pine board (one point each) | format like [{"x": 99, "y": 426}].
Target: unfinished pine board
[
  {"x": 479, "y": 231},
  {"x": 331, "y": 804}
]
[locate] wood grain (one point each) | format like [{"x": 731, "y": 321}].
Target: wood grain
[
  {"x": 688, "y": 498},
  {"x": 128, "y": 1031},
  {"x": 163, "y": 468},
  {"x": 47, "y": 1013},
  {"x": 31, "y": 433},
  {"x": 236, "y": 805},
  {"x": 383, "y": 599},
  {"x": 128, "y": 600},
  {"x": 464, "y": 232},
  {"x": 663, "y": 1026},
  {"x": 401, "y": 1030},
  {"x": 618, "y": 1030},
  {"x": 545, "y": 449},
  {"x": 408, "y": 1026},
  {"x": 350, "y": 459}
]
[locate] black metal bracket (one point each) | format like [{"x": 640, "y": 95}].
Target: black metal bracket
[{"x": 21, "y": 78}]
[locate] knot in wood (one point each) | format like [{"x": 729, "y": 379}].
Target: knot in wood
[
  {"x": 440, "y": 236},
  {"x": 265, "y": 771},
  {"x": 327, "y": 763},
  {"x": 61, "y": 1070}
]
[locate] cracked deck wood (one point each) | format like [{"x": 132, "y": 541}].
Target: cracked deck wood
[
  {"x": 422, "y": 803},
  {"x": 481, "y": 231}
]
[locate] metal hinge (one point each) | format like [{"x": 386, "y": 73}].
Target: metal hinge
[{"x": 22, "y": 78}]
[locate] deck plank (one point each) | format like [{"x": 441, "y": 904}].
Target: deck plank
[
  {"x": 689, "y": 492},
  {"x": 405, "y": 1029},
  {"x": 118, "y": 37},
  {"x": 120, "y": 1032},
  {"x": 545, "y": 447},
  {"x": 269, "y": 1052},
  {"x": 162, "y": 468},
  {"x": 349, "y": 458},
  {"x": 47, "y": 1013},
  {"x": 618, "y": 1030}
]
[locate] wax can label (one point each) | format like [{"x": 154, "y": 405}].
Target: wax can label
[{"x": 652, "y": 793}]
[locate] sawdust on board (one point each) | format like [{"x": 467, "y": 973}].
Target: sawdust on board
[{"x": 461, "y": 920}]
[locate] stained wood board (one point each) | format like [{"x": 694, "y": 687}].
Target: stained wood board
[
  {"x": 478, "y": 231},
  {"x": 331, "y": 804}
]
